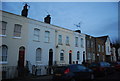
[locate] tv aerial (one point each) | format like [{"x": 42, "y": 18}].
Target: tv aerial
[{"x": 78, "y": 25}]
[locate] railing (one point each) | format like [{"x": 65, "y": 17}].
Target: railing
[{"x": 9, "y": 72}]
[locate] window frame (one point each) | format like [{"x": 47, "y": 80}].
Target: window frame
[
  {"x": 47, "y": 36},
  {"x": 62, "y": 55},
  {"x": 36, "y": 35},
  {"x": 60, "y": 39},
  {"x": 76, "y": 41},
  {"x": 67, "y": 40},
  {"x": 4, "y": 55},
  {"x": 38, "y": 55},
  {"x": 17, "y": 33},
  {"x": 3, "y": 28}
]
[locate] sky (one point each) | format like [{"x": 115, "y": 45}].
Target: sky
[{"x": 95, "y": 18}]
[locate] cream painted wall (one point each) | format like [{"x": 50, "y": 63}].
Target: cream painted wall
[{"x": 14, "y": 43}]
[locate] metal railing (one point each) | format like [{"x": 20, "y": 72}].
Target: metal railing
[{"x": 9, "y": 72}]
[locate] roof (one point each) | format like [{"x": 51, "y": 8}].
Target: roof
[{"x": 104, "y": 38}]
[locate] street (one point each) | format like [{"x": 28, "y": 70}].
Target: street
[{"x": 114, "y": 76}]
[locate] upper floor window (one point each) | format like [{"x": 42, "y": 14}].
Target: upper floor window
[
  {"x": 102, "y": 48},
  {"x": 36, "y": 34},
  {"x": 92, "y": 44},
  {"x": 78, "y": 55},
  {"x": 17, "y": 30},
  {"x": 108, "y": 49},
  {"x": 76, "y": 41},
  {"x": 3, "y": 27},
  {"x": 82, "y": 42},
  {"x": 62, "y": 55},
  {"x": 88, "y": 43},
  {"x": 98, "y": 48},
  {"x": 4, "y": 55},
  {"x": 67, "y": 40},
  {"x": 47, "y": 36},
  {"x": 38, "y": 54},
  {"x": 60, "y": 39}
]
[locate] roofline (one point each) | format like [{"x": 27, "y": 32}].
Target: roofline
[{"x": 36, "y": 20}]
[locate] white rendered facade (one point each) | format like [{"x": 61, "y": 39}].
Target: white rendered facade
[{"x": 39, "y": 43}]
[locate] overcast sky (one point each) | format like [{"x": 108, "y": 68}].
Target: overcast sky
[{"x": 96, "y": 18}]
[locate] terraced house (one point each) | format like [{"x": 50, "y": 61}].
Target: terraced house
[{"x": 35, "y": 46}]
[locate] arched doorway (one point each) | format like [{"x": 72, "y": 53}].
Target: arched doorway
[
  {"x": 70, "y": 57},
  {"x": 50, "y": 60},
  {"x": 21, "y": 57}
]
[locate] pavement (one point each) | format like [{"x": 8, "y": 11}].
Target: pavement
[{"x": 32, "y": 78}]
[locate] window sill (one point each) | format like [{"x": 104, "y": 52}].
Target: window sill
[
  {"x": 38, "y": 62},
  {"x": 36, "y": 40},
  {"x": 46, "y": 42},
  {"x": 60, "y": 44},
  {"x": 17, "y": 37},
  {"x": 2, "y": 35},
  {"x": 67, "y": 44},
  {"x": 3, "y": 62}
]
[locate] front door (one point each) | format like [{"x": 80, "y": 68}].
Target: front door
[
  {"x": 21, "y": 57},
  {"x": 50, "y": 60},
  {"x": 50, "y": 57}
]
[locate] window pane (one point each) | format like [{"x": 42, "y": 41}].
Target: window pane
[
  {"x": 78, "y": 55},
  {"x": 17, "y": 30},
  {"x": 4, "y": 53},
  {"x": 76, "y": 41},
  {"x": 36, "y": 34},
  {"x": 3, "y": 27},
  {"x": 82, "y": 42},
  {"x": 38, "y": 54},
  {"x": 62, "y": 55},
  {"x": 60, "y": 39},
  {"x": 47, "y": 36},
  {"x": 67, "y": 40}
]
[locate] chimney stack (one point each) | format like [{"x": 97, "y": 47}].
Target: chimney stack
[
  {"x": 47, "y": 19},
  {"x": 79, "y": 31},
  {"x": 25, "y": 11}
]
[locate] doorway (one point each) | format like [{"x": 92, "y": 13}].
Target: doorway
[
  {"x": 50, "y": 60},
  {"x": 21, "y": 57},
  {"x": 70, "y": 57}
]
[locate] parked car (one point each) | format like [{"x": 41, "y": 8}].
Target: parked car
[
  {"x": 116, "y": 66},
  {"x": 101, "y": 68},
  {"x": 72, "y": 72}
]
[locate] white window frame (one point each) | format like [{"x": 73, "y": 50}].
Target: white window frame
[
  {"x": 3, "y": 25},
  {"x": 60, "y": 39},
  {"x": 36, "y": 34},
  {"x": 38, "y": 55},
  {"x": 76, "y": 41},
  {"x": 62, "y": 55},
  {"x": 47, "y": 36},
  {"x": 4, "y": 54},
  {"x": 82, "y": 42},
  {"x": 17, "y": 30},
  {"x": 67, "y": 40}
]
